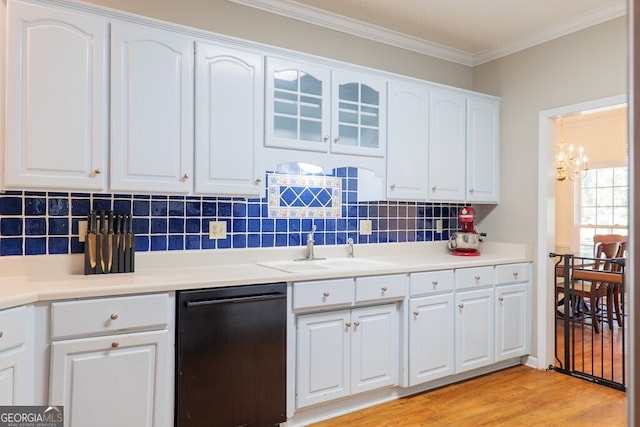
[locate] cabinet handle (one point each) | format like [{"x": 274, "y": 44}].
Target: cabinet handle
[
  {"x": 515, "y": 274},
  {"x": 325, "y": 294},
  {"x": 471, "y": 190},
  {"x": 477, "y": 278},
  {"x": 383, "y": 289},
  {"x": 115, "y": 344},
  {"x": 113, "y": 316},
  {"x": 186, "y": 175},
  {"x": 97, "y": 171},
  {"x": 501, "y": 299},
  {"x": 460, "y": 306},
  {"x": 1, "y": 334},
  {"x": 336, "y": 139},
  {"x": 258, "y": 180},
  {"x": 434, "y": 283},
  {"x": 356, "y": 324},
  {"x": 325, "y": 138},
  {"x": 393, "y": 186},
  {"x": 433, "y": 188},
  {"x": 415, "y": 313},
  {"x": 348, "y": 324}
]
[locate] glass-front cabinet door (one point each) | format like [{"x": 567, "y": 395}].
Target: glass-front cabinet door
[
  {"x": 297, "y": 105},
  {"x": 358, "y": 114}
]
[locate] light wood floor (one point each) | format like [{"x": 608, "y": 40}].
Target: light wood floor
[{"x": 518, "y": 396}]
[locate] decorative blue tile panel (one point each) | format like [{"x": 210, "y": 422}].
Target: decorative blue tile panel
[{"x": 304, "y": 196}]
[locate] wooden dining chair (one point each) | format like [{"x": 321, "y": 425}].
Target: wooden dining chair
[
  {"x": 595, "y": 282},
  {"x": 617, "y": 290}
]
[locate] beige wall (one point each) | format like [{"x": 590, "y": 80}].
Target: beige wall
[{"x": 224, "y": 17}]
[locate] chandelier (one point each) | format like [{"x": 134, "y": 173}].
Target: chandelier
[{"x": 569, "y": 163}]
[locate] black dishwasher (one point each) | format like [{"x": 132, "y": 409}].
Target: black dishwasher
[{"x": 231, "y": 356}]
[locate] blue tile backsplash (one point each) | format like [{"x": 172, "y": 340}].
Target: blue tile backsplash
[{"x": 38, "y": 223}]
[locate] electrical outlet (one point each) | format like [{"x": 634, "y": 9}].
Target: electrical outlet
[
  {"x": 217, "y": 230},
  {"x": 82, "y": 230},
  {"x": 365, "y": 227},
  {"x": 438, "y": 226}
]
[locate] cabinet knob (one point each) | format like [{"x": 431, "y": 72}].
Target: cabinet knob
[
  {"x": 515, "y": 274},
  {"x": 501, "y": 299},
  {"x": 433, "y": 188},
  {"x": 258, "y": 180},
  {"x": 383, "y": 289},
  {"x": 471, "y": 190},
  {"x": 434, "y": 283},
  {"x": 416, "y": 313},
  {"x": 336, "y": 139},
  {"x": 97, "y": 171},
  {"x": 393, "y": 186},
  {"x": 113, "y": 316},
  {"x": 325, "y": 294},
  {"x": 460, "y": 306},
  {"x": 186, "y": 176},
  {"x": 356, "y": 324},
  {"x": 115, "y": 344},
  {"x": 1, "y": 334},
  {"x": 477, "y": 278},
  {"x": 348, "y": 324},
  {"x": 325, "y": 138}
]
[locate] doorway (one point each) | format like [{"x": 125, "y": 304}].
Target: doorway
[{"x": 545, "y": 270}]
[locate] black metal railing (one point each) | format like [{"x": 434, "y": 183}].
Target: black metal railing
[{"x": 590, "y": 319}]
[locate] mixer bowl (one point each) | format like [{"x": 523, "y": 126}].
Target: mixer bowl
[{"x": 464, "y": 242}]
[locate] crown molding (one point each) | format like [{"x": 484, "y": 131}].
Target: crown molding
[{"x": 311, "y": 15}]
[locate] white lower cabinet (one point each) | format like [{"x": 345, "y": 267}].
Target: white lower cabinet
[
  {"x": 116, "y": 366},
  {"x": 430, "y": 338},
  {"x": 16, "y": 356},
  {"x": 474, "y": 329},
  {"x": 513, "y": 310},
  {"x": 346, "y": 352}
]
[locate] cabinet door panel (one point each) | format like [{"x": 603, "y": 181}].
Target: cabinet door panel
[
  {"x": 323, "y": 357},
  {"x": 408, "y": 145},
  {"x": 474, "y": 329},
  {"x": 482, "y": 151},
  {"x": 129, "y": 372},
  {"x": 229, "y": 100},
  {"x": 512, "y": 321},
  {"x": 152, "y": 110},
  {"x": 447, "y": 137},
  {"x": 431, "y": 340},
  {"x": 15, "y": 380},
  {"x": 374, "y": 340},
  {"x": 57, "y": 113}
]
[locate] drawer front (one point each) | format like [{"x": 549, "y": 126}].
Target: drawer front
[
  {"x": 322, "y": 293},
  {"x": 467, "y": 278},
  {"x": 513, "y": 273},
  {"x": 109, "y": 315},
  {"x": 381, "y": 287},
  {"x": 429, "y": 282},
  {"x": 13, "y": 327}
]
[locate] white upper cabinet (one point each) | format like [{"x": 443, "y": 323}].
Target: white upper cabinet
[
  {"x": 152, "y": 97},
  {"x": 407, "y": 148},
  {"x": 463, "y": 147},
  {"x": 358, "y": 114},
  {"x": 312, "y": 108},
  {"x": 447, "y": 136},
  {"x": 297, "y": 106},
  {"x": 56, "y": 99},
  {"x": 483, "y": 131},
  {"x": 228, "y": 121}
]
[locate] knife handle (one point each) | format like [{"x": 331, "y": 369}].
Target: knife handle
[{"x": 87, "y": 253}]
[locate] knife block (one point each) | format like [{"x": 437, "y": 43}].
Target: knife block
[{"x": 109, "y": 245}]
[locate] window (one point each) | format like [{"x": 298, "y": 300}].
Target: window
[{"x": 604, "y": 205}]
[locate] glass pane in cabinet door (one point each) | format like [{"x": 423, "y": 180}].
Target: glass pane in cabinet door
[
  {"x": 285, "y": 127},
  {"x": 286, "y": 79},
  {"x": 370, "y": 96},
  {"x": 348, "y": 114},
  {"x": 349, "y": 92},
  {"x": 310, "y": 85},
  {"x": 310, "y": 130},
  {"x": 348, "y": 135},
  {"x": 369, "y": 116},
  {"x": 285, "y": 103},
  {"x": 369, "y": 138},
  {"x": 311, "y": 107}
]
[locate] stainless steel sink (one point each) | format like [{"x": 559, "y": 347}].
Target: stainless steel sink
[{"x": 302, "y": 265}]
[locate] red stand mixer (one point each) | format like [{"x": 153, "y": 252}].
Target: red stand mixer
[{"x": 466, "y": 241}]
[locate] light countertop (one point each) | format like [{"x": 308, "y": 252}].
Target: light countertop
[{"x": 31, "y": 279}]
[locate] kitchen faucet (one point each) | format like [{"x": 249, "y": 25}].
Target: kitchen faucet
[
  {"x": 350, "y": 249},
  {"x": 310, "y": 254}
]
